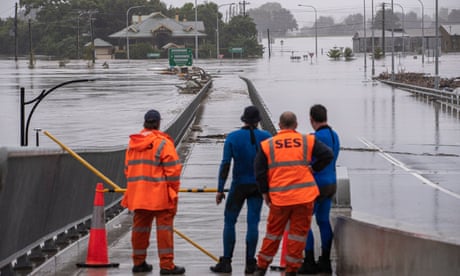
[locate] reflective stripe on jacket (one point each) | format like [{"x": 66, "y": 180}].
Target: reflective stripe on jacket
[
  {"x": 290, "y": 179},
  {"x": 152, "y": 169}
]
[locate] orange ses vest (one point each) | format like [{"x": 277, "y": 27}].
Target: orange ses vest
[
  {"x": 152, "y": 169},
  {"x": 290, "y": 179}
]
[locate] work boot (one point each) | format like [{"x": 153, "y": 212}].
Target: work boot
[
  {"x": 143, "y": 267},
  {"x": 309, "y": 265},
  {"x": 260, "y": 271},
  {"x": 251, "y": 266},
  {"x": 324, "y": 265},
  {"x": 177, "y": 270},
  {"x": 223, "y": 266}
]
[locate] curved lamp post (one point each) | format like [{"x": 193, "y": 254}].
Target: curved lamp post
[
  {"x": 217, "y": 28},
  {"x": 127, "y": 26},
  {"x": 25, "y": 126},
  {"x": 316, "y": 28}
]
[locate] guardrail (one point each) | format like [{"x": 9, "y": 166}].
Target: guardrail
[{"x": 448, "y": 97}]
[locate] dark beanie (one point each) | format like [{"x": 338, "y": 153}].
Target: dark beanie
[
  {"x": 251, "y": 115},
  {"x": 152, "y": 116}
]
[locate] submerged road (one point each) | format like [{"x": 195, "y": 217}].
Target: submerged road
[{"x": 402, "y": 152}]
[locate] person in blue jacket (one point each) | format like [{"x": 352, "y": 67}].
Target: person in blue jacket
[
  {"x": 326, "y": 180},
  {"x": 241, "y": 145}
]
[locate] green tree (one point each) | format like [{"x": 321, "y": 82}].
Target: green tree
[
  {"x": 274, "y": 17},
  {"x": 241, "y": 32},
  {"x": 391, "y": 20}
]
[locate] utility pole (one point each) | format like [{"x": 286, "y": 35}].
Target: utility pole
[
  {"x": 31, "y": 55},
  {"x": 93, "y": 50},
  {"x": 244, "y": 3},
  {"x": 383, "y": 28},
  {"x": 16, "y": 32}
]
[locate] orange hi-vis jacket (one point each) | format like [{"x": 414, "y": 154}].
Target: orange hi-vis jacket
[
  {"x": 290, "y": 179},
  {"x": 152, "y": 169}
]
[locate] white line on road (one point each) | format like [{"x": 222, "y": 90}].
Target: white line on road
[{"x": 403, "y": 166}]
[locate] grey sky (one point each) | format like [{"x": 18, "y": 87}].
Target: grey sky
[{"x": 339, "y": 9}]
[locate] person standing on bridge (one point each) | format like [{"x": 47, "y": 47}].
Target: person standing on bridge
[
  {"x": 284, "y": 169},
  {"x": 152, "y": 169},
  {"x": 241, "y": 145},
  {"x": 327, "y": 184}
]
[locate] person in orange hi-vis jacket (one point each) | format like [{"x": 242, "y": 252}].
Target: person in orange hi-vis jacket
[
  {"x": 284, "y": 174},
  {"x": 152, "y": 169}
]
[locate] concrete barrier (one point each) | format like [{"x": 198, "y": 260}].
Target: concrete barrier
[
  {"x": 45, "y": 193},
  {"x": 366, "y": 249}
]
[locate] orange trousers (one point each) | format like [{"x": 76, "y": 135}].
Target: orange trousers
[
  {"x": 299, "y": 218},
  {"x": 140, "y": 236}
]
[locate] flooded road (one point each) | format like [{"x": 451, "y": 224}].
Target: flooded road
[{"x": 402, "y": 153}]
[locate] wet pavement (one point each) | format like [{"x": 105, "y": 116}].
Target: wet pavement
[{"x": 198, "y": 216}]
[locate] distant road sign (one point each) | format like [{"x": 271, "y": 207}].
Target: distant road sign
[
  {"x": 180, "y": 57},
  {"x": 236, "y": 50}
]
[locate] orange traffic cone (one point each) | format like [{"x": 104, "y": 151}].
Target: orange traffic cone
[{"x": 97, "y": 255}]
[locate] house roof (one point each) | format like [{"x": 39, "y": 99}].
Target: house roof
[
  {"x": 157, "y": 20},
  {"x": 452, "y": 29},
  {"x": 99, "y": 43},
  {"x": 427, "y": 32}
]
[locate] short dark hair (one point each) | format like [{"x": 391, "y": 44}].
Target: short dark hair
[
  {"x": 318, "y": 113},
  {"x": 151, "y": 124}
]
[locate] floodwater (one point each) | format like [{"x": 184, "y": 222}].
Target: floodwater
[{"x": 402, "y": 153}]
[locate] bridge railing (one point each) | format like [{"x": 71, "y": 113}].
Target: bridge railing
[{"x": 45, "y": 194}]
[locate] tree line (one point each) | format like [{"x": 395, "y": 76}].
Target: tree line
[
  {"x": 60, "y": 29},
  {"x": 281, "y": 22}
]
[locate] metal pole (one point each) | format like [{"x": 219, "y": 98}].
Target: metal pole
[
  {"x": 23, "y": 140},
  {"x": 402, "y": 31},
  {"x": 196, "y": 31},
  {"x": 365, "y": 38},
  {"x": 423, "y": 33},
  {"x": 316, "y": 28},
  {"x": 373, "y": 46},
  {"x": 127, "y": 26},
  {"x": 436, "y": 58},
  {"x": 217, "y": 28},
  {"x": 392, "y": 45}
]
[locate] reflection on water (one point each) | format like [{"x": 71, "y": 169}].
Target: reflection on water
[{"x": 419, "y": 134}]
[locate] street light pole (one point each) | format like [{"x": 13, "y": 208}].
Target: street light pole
[
  {"x": 127, "y": 26},
  {"x": 217, "y": 28},
  {"x": 365, "y": 39},
  {"x": 436, "y": 57},
  {"x": 196, "y": 31},
  {"x": 373, "y": 45},
  {"x": 402, "y": 31},
  {"x": 423, "y": 33},
  {"x": 316, "y": 28}
]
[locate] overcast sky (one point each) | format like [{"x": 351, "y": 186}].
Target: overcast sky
[{"x": 339, "y": 9}]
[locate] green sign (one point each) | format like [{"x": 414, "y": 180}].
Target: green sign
[
  {"x": 180, "y": 57},
  {"x": 236, "y": 50}
]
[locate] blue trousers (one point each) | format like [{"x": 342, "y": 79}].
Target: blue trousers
[
  {"x": 322, "y": 213},
  {"x": 237, "y": 195}
]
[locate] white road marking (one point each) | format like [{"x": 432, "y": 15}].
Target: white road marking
[{"x": 403, "y": 166}]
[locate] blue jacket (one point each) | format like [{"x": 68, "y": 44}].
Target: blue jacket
[
  {"x": 328, "y": 136},
  {"x": 240, "y": 147}
]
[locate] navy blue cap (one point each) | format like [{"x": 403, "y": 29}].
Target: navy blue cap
[{"x": 152, "y": 115}]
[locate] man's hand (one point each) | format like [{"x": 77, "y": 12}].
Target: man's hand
[{"x": 219, "y": 197}]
